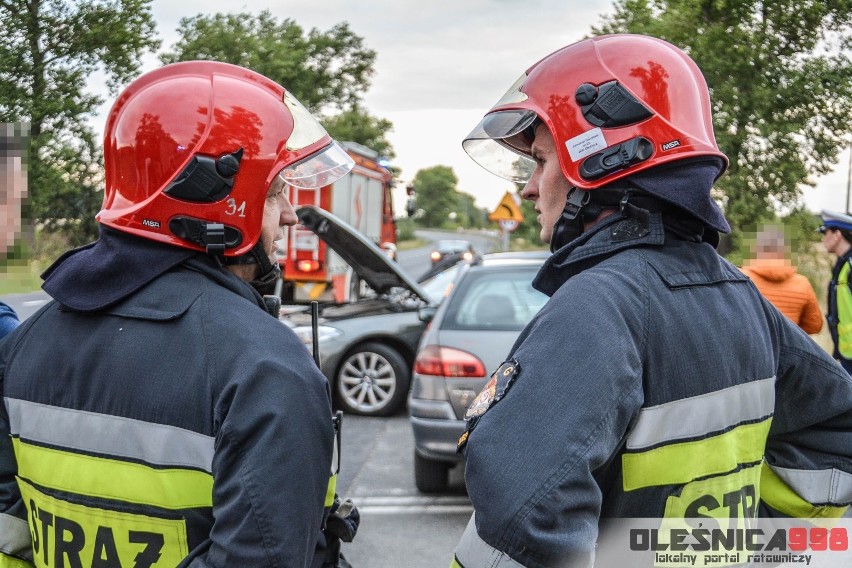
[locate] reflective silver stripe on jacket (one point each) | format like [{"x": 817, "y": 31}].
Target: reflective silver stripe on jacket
[
  {"x": 822, "y": 486},
  {"x": 699, "y": 415},
  {"x": 15, "y": 537},
  {"x": 473, "y": 552},
  {"x": 156, "y": 444}
]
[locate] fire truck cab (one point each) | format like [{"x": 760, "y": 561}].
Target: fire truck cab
[{"x": 363, "y": 199}]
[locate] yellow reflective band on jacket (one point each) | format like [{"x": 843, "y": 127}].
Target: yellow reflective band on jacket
[
  {"x": 680, "y": 463},
  {"x": 331, "y": 491},
  {"x": 11, "y": 562},
  {"x": 168, "y": 488},
  {"x": 781, "y": 497},
  {"x": 66, "y": 534},
  {"x": 455, "y": 563},
  {"x": 844, "y": 313},
  {"x": 726, "y": 498}
]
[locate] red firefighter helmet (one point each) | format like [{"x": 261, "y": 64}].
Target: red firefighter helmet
[
  {"x": 191, "y": 149},
  {"x": 615, "y": 105}
]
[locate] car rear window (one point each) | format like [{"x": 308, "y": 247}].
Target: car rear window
[
  {"x": 500, "y": 300},
  {"x": 453, "y": 246}
]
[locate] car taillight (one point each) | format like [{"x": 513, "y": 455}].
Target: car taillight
[
  {"x": 447, "y": 362},
  {"x": 308, "y": 265}
]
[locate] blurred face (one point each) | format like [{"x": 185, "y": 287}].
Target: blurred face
[
  {"x": 13, "y": 190},
  {"x": 547, "y": 188}
]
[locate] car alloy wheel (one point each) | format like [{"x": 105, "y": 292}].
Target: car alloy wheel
[{"x": 373, "y": 380}]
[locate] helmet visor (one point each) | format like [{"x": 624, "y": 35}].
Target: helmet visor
[
  {"x": 320, "y": 169},
  {"x": 306, "y": 129},
  {"x": 499, "y": 145}
]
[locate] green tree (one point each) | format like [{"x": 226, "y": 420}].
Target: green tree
[
  {"x": 436, "y": 194},
  {"x": 360, "y": 126},
  {"x": 468, "y": 215},
  {"x": 48, "y": 52},
  {"x": 327, "y": 71},
  {"x": 781, "y": 85}
]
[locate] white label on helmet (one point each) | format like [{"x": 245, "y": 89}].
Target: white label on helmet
[{"x": 585, "y": 144}]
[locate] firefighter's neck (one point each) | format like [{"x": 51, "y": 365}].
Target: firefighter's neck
[
  {"x": 247, "y": 272},
  {"x": 603, "y": 215}
]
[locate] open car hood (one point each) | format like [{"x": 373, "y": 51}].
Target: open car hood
[{"x": 370, "y": 263}]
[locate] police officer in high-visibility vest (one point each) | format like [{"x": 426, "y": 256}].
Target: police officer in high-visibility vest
[
  {"x": 836, "y": 232},
  {"x": 156, "y": 413},
  {"x": 656, "y": 382}
]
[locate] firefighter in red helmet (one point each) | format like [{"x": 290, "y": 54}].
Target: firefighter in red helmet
[
  {"x": 656, "y": 382},
  {"x": 155, "y": 412}
]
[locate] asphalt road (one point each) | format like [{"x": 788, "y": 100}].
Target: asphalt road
[{"x": 400, "y": 527}]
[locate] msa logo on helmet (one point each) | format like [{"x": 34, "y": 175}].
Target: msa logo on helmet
[
  {"x": 150, "y": 223},
  {"x": 670, "y": 145}
]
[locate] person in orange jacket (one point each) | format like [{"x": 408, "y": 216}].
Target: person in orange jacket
[{"x": 777, "y": 279}]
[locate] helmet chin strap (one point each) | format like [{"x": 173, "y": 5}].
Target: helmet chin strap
[
  {"x": 578, "y": 211},
  {"x": 269, "y": 272}
]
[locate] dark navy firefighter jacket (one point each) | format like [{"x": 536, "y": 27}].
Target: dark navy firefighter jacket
[
  {"x": 182, "y": 426},
  {"x": 655, "y": 383}
]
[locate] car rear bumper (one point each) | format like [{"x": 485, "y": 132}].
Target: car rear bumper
[{"x": 436, "y": 430}]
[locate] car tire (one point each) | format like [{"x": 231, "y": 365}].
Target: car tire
[
  {"x": 372, "y": 380},
  {"x": 431, "y": 476}
]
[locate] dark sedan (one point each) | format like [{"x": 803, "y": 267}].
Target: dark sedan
[
  {"x": 448, "y": 247},
  {"x": 367, "y": 347}
]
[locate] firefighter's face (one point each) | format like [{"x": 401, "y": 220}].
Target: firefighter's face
[
  {"x": 277, "y": 214},
  {"x": 547, "y": 187}
]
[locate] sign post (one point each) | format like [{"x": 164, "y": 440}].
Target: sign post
[{"x": 508, "y": 216}]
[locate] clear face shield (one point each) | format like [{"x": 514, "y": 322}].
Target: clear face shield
[
  {"x": 500, "y": 143},
  {"x": 320, "y": 169}
]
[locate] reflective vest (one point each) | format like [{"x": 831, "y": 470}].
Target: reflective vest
[
  {"x": 840, "y": 309},
  {"x": 134, "y": 484}
]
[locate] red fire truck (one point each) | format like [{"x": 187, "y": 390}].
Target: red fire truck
[{"x": 363, "y": 199}]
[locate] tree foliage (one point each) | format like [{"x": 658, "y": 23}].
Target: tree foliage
[
  {"x": 360, "y": 126},
  {"x": 327, "y": 71},
  {"x": 468, "y": 215},
  {"x": 436, "y": 194},
  {"x": 48, "y": 52},
  {"x": 781, "y": 85}
]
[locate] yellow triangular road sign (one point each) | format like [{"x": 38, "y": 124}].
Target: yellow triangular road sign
[{"x": 507, "y": 210}]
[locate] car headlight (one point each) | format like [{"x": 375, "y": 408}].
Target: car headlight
[{"x": 324, "y": 333}]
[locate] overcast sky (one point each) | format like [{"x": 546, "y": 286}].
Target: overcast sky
[{"x": 441, "y": 64}]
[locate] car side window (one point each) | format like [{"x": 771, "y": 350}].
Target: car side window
[{"x": 494, "y": 300}]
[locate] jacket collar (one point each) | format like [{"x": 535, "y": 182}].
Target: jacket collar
[
  {"x": 628, "y": 229},
  {"x": 102, "y": 274}
]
